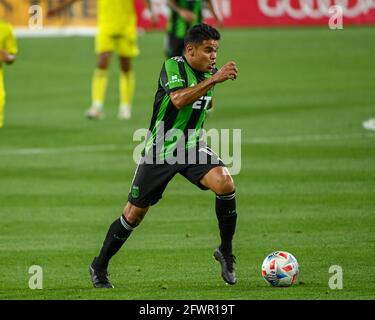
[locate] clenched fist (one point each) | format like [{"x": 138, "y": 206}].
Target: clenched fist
[{"x": 228, "y": 71}]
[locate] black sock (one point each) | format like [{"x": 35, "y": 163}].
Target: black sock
[
  {"x": 227, "y": 217},
  {"x": 117, "y": 234}
]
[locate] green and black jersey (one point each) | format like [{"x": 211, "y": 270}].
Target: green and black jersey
[
  {"x": 173, "y": 128},
  {"x": 177, "y": 26}
]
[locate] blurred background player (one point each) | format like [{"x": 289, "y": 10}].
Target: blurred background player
[
  {"x": 8, "y": 51},
  {"x": 185, "y": 14},
  {"x": 117, "y": 32}
]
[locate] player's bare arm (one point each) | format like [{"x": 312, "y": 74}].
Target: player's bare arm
[
  {"x": 216, "y": 15},
  {"x": 55, "y": 11},
  {"x": 7, "y": 57},
  {"x": 183, "y": 97},
  {"x": 184, "y": 13},
  {"x": 153, "y": 17}
]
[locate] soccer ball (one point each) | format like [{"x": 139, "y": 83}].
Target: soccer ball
[{"x": 280, "y": 269}]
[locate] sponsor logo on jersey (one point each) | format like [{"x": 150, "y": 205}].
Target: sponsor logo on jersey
[
  {"x": 202, "y": 102},
  {"x": 174, "y": 79}
]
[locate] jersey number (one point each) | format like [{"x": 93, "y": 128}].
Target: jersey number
[{"x": 202, "y": 102}]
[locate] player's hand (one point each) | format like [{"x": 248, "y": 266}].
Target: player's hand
[
  {"x": 6, "y": 57},
  {"x": 228, "y": 71},
  {"x": 187, "y": 15}
]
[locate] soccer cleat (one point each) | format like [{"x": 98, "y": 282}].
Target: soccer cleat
[
  {"x": 99, "y": 278},
  {"x": 94, "y": 113},
  {"x": 227, "y": 266},
  {"x": 124, "y": 113}
]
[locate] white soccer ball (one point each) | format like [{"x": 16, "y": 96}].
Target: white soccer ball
[{"x": 280, "y": 269}]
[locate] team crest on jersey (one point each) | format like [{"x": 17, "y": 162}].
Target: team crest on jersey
[{"x": 135, "y": 191}]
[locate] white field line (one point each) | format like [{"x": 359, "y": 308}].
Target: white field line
[
  {"x": 256, "y": 140},
  {"x": 34, "y": 151},
  {"x": 308, "y": 138}
]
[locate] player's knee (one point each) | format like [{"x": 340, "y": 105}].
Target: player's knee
[
  {"x": 133, "y": 214},
  {"x": 133, "y": 218},
  {"x": 125, "y": 64},
  {"x": 103, "y": 60},
  {"x": 224, "y": 185}
]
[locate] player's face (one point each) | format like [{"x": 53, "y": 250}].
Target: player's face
[{"x": 203, "y": 56}]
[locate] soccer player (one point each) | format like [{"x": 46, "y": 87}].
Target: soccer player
[
  {"x": 8, "y": 51},
  {"x": 117, "y": 32},
  {"x": 184, "y": 91},
  {"x": 184, "y": 14}
]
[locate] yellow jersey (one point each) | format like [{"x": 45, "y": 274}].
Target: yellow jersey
[
  {"x": 8, "y": 41},
  {"x": 116, "y": 16}
]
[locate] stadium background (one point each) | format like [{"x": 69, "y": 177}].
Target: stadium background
[
  {"x": 306, "y": 183},
  {"x": 237, "y": 13}
]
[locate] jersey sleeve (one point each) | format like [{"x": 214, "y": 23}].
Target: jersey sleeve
[
  {"x": 172, "y": 76},
  {"x": 10, "y": 43}
]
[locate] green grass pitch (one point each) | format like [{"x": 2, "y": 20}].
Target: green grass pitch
[{"x": 307, "y": 180}]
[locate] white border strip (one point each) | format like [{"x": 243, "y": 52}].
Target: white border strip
[
  {"x": 259, "y": 140},
  {"x": 33, "y": 151},
  {"x": 308, "y": 138}
]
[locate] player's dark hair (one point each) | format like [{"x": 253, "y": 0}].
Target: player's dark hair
[{"x": 200, "y": 32}]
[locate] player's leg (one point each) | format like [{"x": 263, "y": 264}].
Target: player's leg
[
  {"x": 220, "y": 181},
  {"x": 2, "y": 101},
  {"x": 118, "y": 232},
  {"x": 147, "y": 188},
  {"x": 1, "y": 112},
  {"x": 127, "y": 87},
  {"x": 104, "y": 46},
  {"x": 127, "y": 49},
  {"x": 99, "y": 85},
  {"x": 2, "y": 105},
  {"x": 207, "y": 171}
]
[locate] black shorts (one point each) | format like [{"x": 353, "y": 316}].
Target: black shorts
[
  {"x": 150, "y": 180},
  {"x": 175, "y": 46}
]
